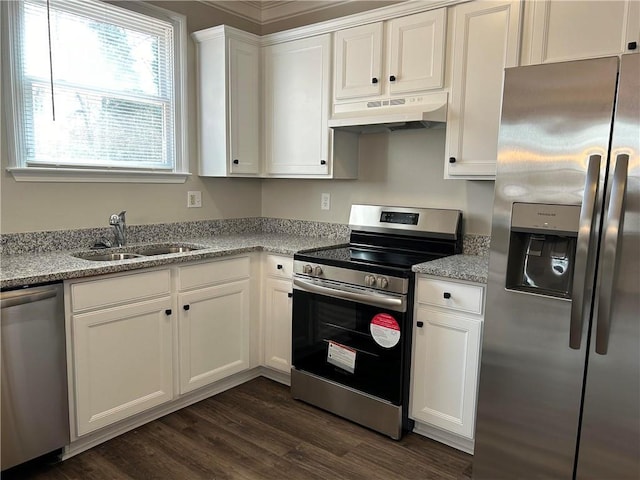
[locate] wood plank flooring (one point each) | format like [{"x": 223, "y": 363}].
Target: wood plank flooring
[{"x": 256, "y": 431}]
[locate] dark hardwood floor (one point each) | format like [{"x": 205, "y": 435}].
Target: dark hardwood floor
[{"x": 256, "y": 431}]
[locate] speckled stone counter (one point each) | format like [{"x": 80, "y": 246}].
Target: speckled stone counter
[
  {"x": 473, "y": 268},
  {"x": 41, "y": 257},
  {"x": 33, "y": 268}
]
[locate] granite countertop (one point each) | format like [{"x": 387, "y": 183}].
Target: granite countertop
[
  {"x": 473, "y": 268},
  {"x": 33, "y": 268}
]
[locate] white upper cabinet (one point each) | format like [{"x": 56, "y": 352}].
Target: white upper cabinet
[
  {"x": 358, "y": 61},
  {"x": 399, "y": 56},
  {"x": 559, "y": 30},
  {"x": 228, "y": 102},
  {"x": 244, "y": 107},
  {"x": 416, "y": 52},
  {"x": 297, "y": 86},
  {"x": 485, "y": 40}
]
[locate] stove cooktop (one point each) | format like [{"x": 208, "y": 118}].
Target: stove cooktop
[
  {"x": 368, "y": 259},
  {"x": 389, "y": 241}
]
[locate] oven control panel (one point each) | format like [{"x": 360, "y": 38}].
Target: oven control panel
[
  {"x": 377, "y": 281},
  {"x": 313, "y": 270},
  {"x": 350, "y": 276}
]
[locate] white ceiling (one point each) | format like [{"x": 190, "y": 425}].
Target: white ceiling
[{"x": 268, "y": 11}]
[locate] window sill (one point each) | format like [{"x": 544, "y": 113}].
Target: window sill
[{"x": 94, "y": 176}]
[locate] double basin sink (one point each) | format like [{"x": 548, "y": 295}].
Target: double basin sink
[{"x": 137, "y": 252}]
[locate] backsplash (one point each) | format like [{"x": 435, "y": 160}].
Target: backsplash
[
  {"x": 305, "y": 228},
  {"x": 476, "y": 244},
  {"x": 56, "y": 240}
]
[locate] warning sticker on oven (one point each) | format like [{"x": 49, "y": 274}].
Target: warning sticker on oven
[
  {"x": 385, "y": 330},
  {"x": 341, "y": 356}
]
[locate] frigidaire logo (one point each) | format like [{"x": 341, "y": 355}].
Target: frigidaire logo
[{"x": 546, "y": 214}]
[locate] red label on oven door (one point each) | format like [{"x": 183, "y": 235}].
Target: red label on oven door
[{"x": 385, "y": 330}]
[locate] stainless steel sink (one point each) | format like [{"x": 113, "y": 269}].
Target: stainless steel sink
[
  {"x": 108, "y": 257},
  {"x": 164, "y": 250},
  {"x": 137, "y": 252}
]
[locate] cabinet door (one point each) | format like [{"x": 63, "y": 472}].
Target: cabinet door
[
  {"x": 122, "y": 361},
  {"x": 244, "y": 108},
  {"x": 559, "y": 30},
  {"x": 485, "y": 41},
  {"x": 277, "y": 328},
  {"x": 213, "y": 328},
  {"x": 445, "y": 371},
  {"x": 358, "y": 62},
  {"x": 297, "y": 91},
  {"x": 416, "y": 51},
  {"x": 228, "y": 102}
]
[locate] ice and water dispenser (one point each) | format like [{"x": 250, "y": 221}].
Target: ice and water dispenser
[{"x": 542, "y": 248}]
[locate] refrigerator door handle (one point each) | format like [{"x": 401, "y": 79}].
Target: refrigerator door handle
[
  {"x": 611, "y": 240},
  {"x": 582, "y": 250}
]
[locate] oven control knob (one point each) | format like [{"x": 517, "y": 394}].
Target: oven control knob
[
  {"x": 369, "y": 280},
  {"x": 307, "y": 269},
  {"x": 317, "y": 270},
  {"x": 382, "y": 282}
]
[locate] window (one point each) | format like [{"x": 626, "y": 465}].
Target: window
[{"x": 97, "y": 92}]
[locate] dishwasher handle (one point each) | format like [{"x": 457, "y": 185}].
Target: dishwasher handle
[{"x": 21, "y": 297}]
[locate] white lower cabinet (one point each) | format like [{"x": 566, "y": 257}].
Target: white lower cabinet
[
  {"x": 124, "y": 330},
  {"x": 447, "y": 338},
  {"x": 213, "y": 321},
  {"x": 213, "y": 328},
  {"x": 277, "y": 313},
  {"x": 122, "y": 354}
]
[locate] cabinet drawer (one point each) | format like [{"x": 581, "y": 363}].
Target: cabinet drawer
[
  {"x": 278, "y": 266},
  {"x": 211, "y": 273},
  {"x": 120, "y": 289},
  {"x": 456, "y": 296}
]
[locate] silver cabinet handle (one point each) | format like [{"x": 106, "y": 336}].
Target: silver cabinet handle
[
  {"x": 611, "y": 239},
  {"x": 582, "y": 250},
  {"x": 392, "y": 303}
]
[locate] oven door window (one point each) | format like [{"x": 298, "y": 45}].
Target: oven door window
[{"x": 332, "y": 339}]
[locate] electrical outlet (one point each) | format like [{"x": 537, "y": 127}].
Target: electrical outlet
[
  {"x": 194, "y": 199},
  {"x": 325, "y": 201}
]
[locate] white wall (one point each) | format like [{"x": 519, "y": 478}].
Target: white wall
[
  {"x": 404, "y": 168},
  {"x": 401, "y": 168},
  {"x": 29, "y": 206}
]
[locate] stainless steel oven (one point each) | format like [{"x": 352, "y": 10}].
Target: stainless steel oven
[{"x": 352, "y": 313}]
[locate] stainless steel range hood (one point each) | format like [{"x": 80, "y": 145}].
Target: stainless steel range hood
[{"x": 421, "y": 111}]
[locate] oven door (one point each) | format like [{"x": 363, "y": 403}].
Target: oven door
[{"x": 350, "y": 335}]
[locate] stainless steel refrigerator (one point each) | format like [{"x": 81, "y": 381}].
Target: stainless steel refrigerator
[{"x": 559, "y": 393}]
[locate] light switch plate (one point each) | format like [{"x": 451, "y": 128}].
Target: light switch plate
[
  {"x": 325, "y": 201},
  {"x": 194, "y": 199}
]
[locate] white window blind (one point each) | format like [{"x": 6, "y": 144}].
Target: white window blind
[{"x": 113, "y": 74}]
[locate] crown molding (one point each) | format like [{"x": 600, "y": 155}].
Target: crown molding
[
  {"x": 276, "y": 11},
  {"x": 269, "y": 11},
  {"x": 247, "y": 10},
  {"x": 379, "y": 14}
]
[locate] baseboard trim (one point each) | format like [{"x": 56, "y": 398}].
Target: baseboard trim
[
  {"x": 276, "y": 376},
  {"x": 91, "y": 440},
  {"x": 459, "y": 443}
]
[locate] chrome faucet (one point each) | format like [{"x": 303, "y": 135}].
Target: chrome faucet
[{"x": 120, "y": 228}]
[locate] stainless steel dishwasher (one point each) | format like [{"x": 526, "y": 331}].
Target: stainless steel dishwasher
[{"x": 34, "y": 403}]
